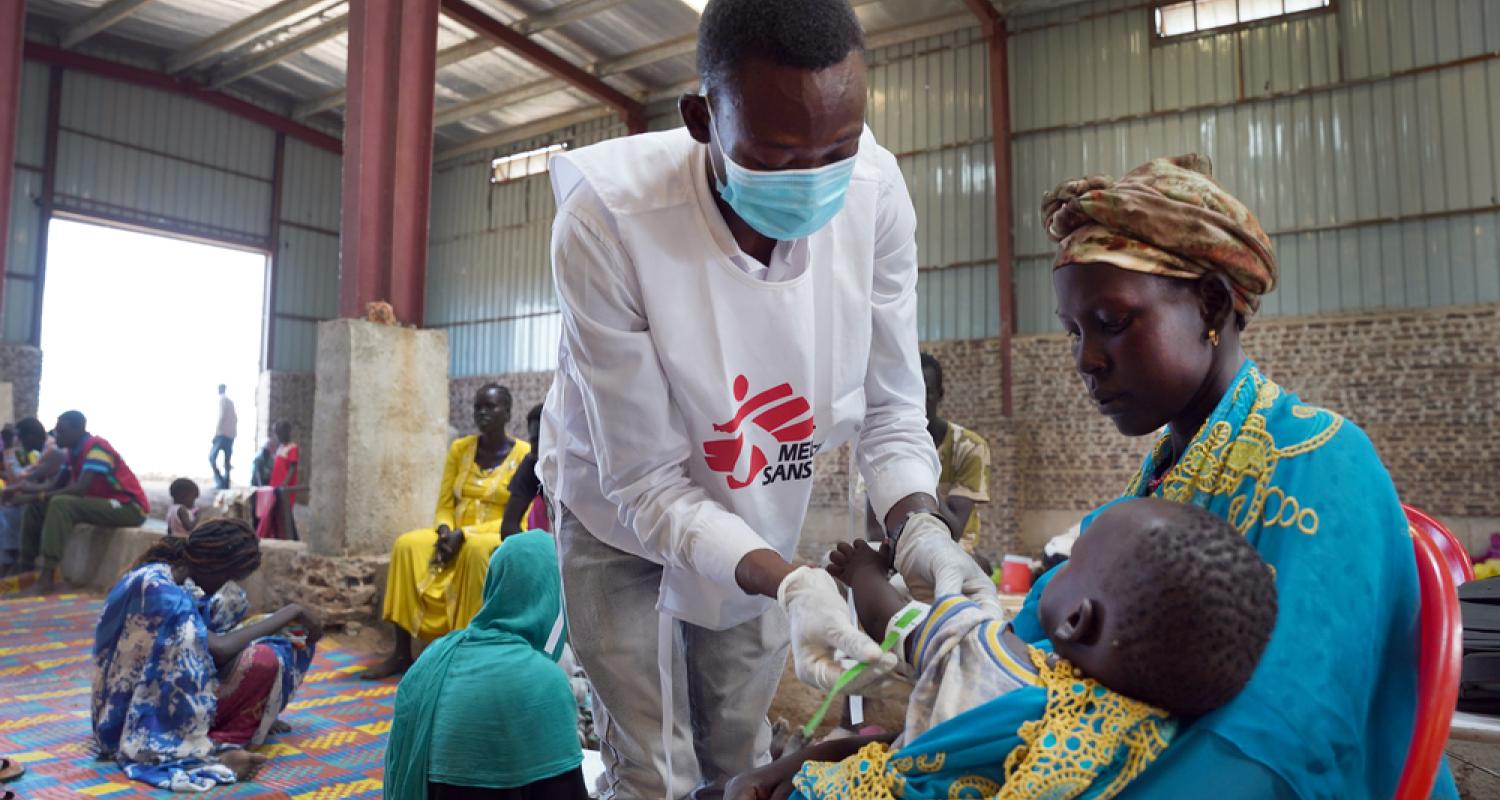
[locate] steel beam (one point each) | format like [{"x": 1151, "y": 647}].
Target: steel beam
[
  {"x": 48, "y": 200},
  {"x": 499, "y": 100},
  {"x": 306, "y": 40},
  {"x": 151, "y": 79},
  {"x": 680, "y": 46},
  {"x": 571, "y": 11},
  {"x": 995, "y": 35},
  {"x": 521, "y": 132},
  {"x": 236, "y": 34},
  {"x": 369, "y": 155},
  {"x": 273, "y": 266},
  {"x": 415, "y": 84},
  {"x": 102, "y": 17},
  {"x": 12, "y": 37},
  {"x": 632, "y": 110},
  {"x": 448, "y": 56},
  {"x": 388, "y": 162}
]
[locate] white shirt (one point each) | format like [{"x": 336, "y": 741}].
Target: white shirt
[
  {"x": 691, "y": 395},
  {"x": 228, "y": 422}
]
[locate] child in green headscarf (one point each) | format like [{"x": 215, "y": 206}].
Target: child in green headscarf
[{"x": 486, "y": 712}]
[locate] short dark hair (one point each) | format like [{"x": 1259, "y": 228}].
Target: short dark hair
[
  {"x": 282, "y": 425},
  {"x": 74, "y": 418},
  {"x": 505, "y": 396},
  {"x": 930, "y": 362},
  {"x": 180, "y": 487},
  {"x": 31, "y": 427},
  {"x": 805, "y": 34},
  {"x": 1197, "y": 608}
]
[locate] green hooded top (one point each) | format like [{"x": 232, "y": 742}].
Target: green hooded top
[{"x": 487, "y": 706}]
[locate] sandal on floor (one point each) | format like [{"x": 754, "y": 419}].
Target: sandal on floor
[{"x": 9, "y": 771}]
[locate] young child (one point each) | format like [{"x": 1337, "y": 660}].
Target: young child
[
  {"x": 1161, "y": 615},
  {"x": 182, "y": 516}
]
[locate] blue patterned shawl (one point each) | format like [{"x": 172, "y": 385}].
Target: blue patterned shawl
[{"x": 155, "y": 682}]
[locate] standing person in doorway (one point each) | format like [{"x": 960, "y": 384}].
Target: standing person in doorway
[
  {"x": 224, "y": 434},
  {"x": 736, "y": 296}
]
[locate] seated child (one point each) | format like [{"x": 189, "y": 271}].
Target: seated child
[
  {"x": 182, "y": 515},
  {"x": 1161, "y": 615}
]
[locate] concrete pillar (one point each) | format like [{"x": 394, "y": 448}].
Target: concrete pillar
[
  {"x": 381, "y": 412},
  {"x": 387, "y": 156},
  {"x": 12, "y": 37}
]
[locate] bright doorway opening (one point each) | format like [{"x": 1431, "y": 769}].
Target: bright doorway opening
[{"x": 139, "y": 330}]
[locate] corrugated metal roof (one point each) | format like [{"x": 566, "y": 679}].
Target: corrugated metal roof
[{"x": 642, "y": 47}]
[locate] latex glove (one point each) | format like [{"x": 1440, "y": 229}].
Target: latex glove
[
  {"x": 926, "y": 555},
  {"x": 820, "y": 624}
]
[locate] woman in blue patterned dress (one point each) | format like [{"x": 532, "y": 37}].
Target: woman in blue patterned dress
[{"x": 181, "y": 686}]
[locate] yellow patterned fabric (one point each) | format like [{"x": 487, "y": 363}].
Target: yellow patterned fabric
[
  {"x": 1086, "y": 728},
  {"x": 1068, "y": 738}
]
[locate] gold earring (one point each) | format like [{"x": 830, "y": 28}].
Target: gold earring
[{"x": 1213, "y": 337}]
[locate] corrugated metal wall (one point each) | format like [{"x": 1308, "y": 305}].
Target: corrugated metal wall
[
  {"x": 929, "y": 104},
  {"x": 146, "y": 157},
  {"x": 488, "y": 277},
  {"x": 152, "y": 159},
  {"x": 1365, "y": 139},
  {"x": 307, "y": 258},
  {"x": 25, "y": 206}
]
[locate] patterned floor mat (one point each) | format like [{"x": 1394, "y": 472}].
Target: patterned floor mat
[{"x": 335, "y": 750}]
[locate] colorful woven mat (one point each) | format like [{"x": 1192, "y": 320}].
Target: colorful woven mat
[{"x": 335, "y": 750}]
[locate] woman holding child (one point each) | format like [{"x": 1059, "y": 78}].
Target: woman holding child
[{"x": 1156, "y": 276}]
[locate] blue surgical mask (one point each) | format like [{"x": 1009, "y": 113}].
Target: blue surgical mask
[{"x": 783, "y": 204}]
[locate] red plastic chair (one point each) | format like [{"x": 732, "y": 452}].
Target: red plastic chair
[
  {"x": 1439, "y": 653},
  {"x": 1454, "y": 554}
]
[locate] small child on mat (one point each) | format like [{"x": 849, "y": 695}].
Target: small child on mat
[{"x": 1161, "y": 615}]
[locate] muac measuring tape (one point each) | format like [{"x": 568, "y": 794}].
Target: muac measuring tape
[{"x": 901, "y": 624}]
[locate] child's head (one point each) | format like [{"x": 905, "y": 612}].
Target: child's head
[
  {"x": 184, "y": 492},
  {"x": 1165, "y": 603},
  {"x": 32, "y": 433},
  {"x": 283, "y": 431}
]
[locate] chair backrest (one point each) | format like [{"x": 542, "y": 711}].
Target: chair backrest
[
  {"x": 1454, "y": 554},
  {"x": 1439, "y": 664}
]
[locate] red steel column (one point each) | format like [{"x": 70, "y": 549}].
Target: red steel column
[
  {"x": 413, "y": 158},
  {"x": 387, "y": 161},
  {"x": 12, "y": 36},
  {"x": 995, "y": 34}
]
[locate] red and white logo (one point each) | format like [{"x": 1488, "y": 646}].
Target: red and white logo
[{"x": 782, "y": 420}]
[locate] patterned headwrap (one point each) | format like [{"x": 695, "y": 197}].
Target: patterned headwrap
[{"x": 1166, "y": 217}]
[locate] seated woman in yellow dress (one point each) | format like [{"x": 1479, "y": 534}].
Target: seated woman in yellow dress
[{"x": 436, "y": 580}]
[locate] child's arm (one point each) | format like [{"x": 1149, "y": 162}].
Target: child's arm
[
  {"x": 184, "y": 518},
  {"x": 863, "y": 570},
  {"x": 774, "y": 779}
]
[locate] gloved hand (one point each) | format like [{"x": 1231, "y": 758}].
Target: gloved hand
[
  {"x": 820, "y": 624},
  {"x": 926, "y": 555}
]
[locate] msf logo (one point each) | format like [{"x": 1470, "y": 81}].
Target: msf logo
[{"x": 777, "y": 411}]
